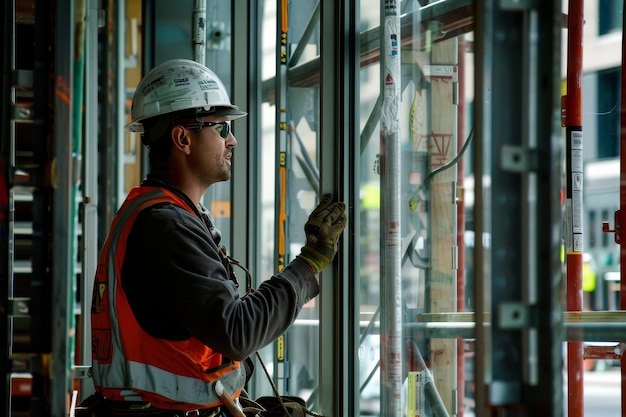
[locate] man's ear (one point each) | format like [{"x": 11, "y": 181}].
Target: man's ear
[{"x": 180, "y": 137}]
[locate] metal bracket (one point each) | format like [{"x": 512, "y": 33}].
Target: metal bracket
[
  {"x": 82, "y": 371},
  {"x": 518, "y": 159},
  {"x": 376, "y": 167},
  {"x": 23, "y": 112},
  {"x": 617, "y": 230},
  {"x": 513, "y": 315},
  {"x": 19, "y": 307}
]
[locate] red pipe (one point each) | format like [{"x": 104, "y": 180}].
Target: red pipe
[
  {"x": 604, "y": 352},
  {"x": 573, "y": 98},
  {"x": 572, "y": 117},
  {"x": 575, "y": 350}
]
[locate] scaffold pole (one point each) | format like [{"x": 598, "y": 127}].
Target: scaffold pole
[
  {"x": 572, "y": 117},
  {"x": 391, "y": 280},
  {"x": 619, "y": 219}
]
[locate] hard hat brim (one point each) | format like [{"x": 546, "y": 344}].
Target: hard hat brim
[{"x": 227, "y": 113}]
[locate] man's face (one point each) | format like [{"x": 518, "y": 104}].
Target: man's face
[{"x": 211, "y": 150}]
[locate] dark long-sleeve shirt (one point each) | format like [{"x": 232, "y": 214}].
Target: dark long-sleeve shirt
[{"x": 178, "y": 287}]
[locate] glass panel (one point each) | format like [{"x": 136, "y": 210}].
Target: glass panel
[
  {"x": 610, "y": 16},
  {"x": 172, "y": 39},
  {"x": 435, "y": 175},
  {"x": 601, "y": 121},
  {"x": 436, "y": 216},
  {"x": 601, "y": 191},
  {"x": 290, "y": 179},
  {"x": 369, "y": 376},
  {"x": 608, "y": 93}
]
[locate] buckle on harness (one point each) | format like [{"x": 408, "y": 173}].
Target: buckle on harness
[{"x": 198, "y": 413}]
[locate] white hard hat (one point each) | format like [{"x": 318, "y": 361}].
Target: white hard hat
[{"x": 180, "y": 84}]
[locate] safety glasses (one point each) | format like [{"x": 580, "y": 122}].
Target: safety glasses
[{"x": 223, "y": 130}]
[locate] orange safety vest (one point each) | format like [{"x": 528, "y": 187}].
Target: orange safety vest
[{"x": 128, "y": 363}]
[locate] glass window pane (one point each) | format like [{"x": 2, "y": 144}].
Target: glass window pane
[
  {"x": 290, "y": 181},
  {"x": 610, "y": 16},
  {"x": 436, "y": 216}
]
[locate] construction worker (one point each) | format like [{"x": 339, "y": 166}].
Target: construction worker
[{"x": 170, "y": 333}]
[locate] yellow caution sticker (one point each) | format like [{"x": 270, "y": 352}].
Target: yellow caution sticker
[
  {"x": 280, "y": 348},
  {"x": 415, "y": 394}
]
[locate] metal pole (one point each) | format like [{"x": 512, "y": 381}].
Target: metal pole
[
  {"x": 574, "y": 235},
  {"x": 482, "y": 363},
  {"x": 199, "y": 31},
  {"x": 90, "y": 201},
  {"x": 63, "y": 203},
  {"x": 619, "y": 220},
  {"x": 282, "y": 179},
  {"x": 391, "y": 288},
  {"x": 460, "y": 232},
  {"x": 78, "y": 86}
]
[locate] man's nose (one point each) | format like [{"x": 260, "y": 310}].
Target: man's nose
[{"x": 231, "y": 142}]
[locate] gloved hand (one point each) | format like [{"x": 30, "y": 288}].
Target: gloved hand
[{"x": 322, "y": 231}]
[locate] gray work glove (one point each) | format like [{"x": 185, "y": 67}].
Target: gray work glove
[{"x": 322, "y": 231}]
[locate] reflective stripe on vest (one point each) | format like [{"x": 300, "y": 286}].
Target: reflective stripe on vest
[
  {"x": 150, "y": 379},
  {"x": 174, "y": 371}
]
